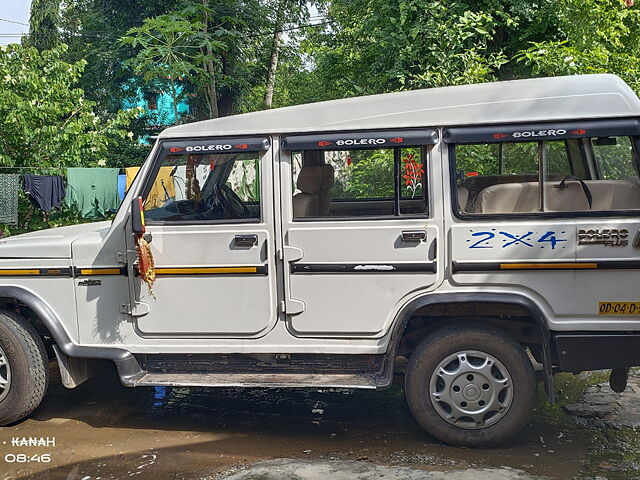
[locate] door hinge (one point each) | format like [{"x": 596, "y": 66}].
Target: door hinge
[
  {"x": 121, "y": 258},
  {"x": 139, "y": 310}
]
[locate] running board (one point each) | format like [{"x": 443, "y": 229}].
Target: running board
[{"x": 273, "y": 380}]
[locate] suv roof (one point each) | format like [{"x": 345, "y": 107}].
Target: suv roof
[{"x": 530, "y": 100}]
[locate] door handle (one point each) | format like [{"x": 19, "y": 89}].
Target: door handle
[
  {"x": 245, "y": 240},
  {"x": 414, "y": 235}
]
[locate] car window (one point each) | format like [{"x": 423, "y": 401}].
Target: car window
[
  {"x": 614, "y": 157},
  {"x": 358, "y": 183},
  {"x": 505, "y": 178},
  {"x": 209, "y": 187}
]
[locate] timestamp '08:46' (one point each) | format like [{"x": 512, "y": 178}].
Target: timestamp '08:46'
[{"x": 24, "y": 458}]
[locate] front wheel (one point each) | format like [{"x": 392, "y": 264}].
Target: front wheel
[
  {"x": 23, "y": 368},
  {"x": 469, "y": 385}
]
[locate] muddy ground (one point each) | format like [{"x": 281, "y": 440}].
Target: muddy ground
[{"x": 105, "y": 431}]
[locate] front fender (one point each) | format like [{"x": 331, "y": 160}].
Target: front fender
[{"x": 128, "y": 367}]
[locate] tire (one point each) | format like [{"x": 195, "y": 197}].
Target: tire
[
  {"x": 451, "y": 370},
  {"x": 25, "y": 366}
]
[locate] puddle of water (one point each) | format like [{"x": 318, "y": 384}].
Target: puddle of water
[{"x": 103, "y": 429}]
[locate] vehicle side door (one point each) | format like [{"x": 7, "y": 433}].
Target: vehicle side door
[
  {"x": 209, "y": 219},
  {"x": 522, "y": 196},
  {"x": 360, "y": 229}
]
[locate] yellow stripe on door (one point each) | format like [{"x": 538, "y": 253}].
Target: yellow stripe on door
[
  {"x": 19, "y": 272},
  {"x": 204, "y": 270},
  {"x": 99, "y": 271}
]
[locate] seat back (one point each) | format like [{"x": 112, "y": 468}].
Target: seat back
[
  {"x": 520, "y": 197},
  {"x": 307, "y": 202}
]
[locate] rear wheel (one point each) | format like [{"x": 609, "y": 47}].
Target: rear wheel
[
  {"x": 471, "y": 386},
  {"x": 23, "y": 368}
]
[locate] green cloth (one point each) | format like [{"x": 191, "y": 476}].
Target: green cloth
[{"x": 93, "y": 191}]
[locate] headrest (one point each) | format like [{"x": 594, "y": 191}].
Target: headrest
[{"x": 310, "y": 179}]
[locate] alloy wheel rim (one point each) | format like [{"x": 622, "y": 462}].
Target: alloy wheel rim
[
  {"x": 471, "y": 389},
  {"x": 5, "y": 375}
]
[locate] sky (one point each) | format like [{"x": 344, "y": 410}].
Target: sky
[{"x": 18, "y": 11}]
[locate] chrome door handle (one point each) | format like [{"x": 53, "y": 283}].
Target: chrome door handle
[
  {"x": 245, "y": 240},
  {"x": 414, "y": 235}
]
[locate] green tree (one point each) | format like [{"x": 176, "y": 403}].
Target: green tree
[
  {"x": 170, "y": 48},
  {"x": 592, "y": 36},
  {"x": 45, "y": 120},
  {"x": 47, "y": 123},
  {"x": 92, "y": 28},
  {"x": 376, "y": 46},
  {"x": 285, "y": 12},
  {"x": 44, "y": 24}
]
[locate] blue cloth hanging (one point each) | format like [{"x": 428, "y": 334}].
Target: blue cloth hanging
[{"x": 122, "y": 186}]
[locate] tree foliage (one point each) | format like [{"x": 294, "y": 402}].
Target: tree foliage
[
  {"x": 592, "y": 36},
  {"x": 44, "y": 24},
  {"x": 170, "y": 49},
  {"x": 46, "y": 121}
]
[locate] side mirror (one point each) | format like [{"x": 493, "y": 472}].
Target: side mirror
[{"x": 137, "y": 216}]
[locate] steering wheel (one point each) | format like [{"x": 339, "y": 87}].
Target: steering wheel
[{"x": 231, "y": 202}]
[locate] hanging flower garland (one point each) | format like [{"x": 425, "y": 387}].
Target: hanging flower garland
[{"x": 145, "y": 263}]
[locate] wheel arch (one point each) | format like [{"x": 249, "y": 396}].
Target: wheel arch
[
  {"x": 409, "y": 311},
  {"x": 128, "y": 367}
]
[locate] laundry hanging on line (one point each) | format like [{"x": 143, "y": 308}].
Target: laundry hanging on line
[
  {"x": 162, "y": 189},
  {"x": 122, "y": 186},
  {"x": 9, "y": 188},
  {"x": 93, "y": 191},
  {"x": 46, "y": 192}
]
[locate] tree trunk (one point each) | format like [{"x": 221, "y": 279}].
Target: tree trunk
[
  {"x": 174, "y": 99},
  {"x": 227, "y": 98},
  {"x": 275, "y": 52},
  {"x": 211, "y": 88}
]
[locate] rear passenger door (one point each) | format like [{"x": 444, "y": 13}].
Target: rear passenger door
[
  {"x": 534, "y": 212},
  {"x": 360, "y": 232},
  {"x": 609, "y": 236}
]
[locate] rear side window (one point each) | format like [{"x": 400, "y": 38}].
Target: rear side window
[
  {"x": 358, "y": 183},
  {"x": 582, "y": 174},
  {"x": 370, "y": 174},
  {"x": 614, "y": 157}
]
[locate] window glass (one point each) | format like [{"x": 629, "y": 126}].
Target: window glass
[
  {"x": 213, "y": 187},
  {"x": 614, "y": 157},
  {"x": 353, "y": 183},
  {"x": 504, "y": 178}
]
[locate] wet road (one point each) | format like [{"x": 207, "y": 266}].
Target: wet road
[{"x": 103, "y": 430}]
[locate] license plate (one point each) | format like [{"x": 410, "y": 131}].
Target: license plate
[{"x": 619, "y": 308}]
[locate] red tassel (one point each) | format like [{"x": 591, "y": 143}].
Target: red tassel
[{"x": 348, "y": 160}]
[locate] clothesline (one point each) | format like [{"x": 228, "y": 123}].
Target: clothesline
[
  {"x": 33, "y": 168},
  {"x": 44, "y": 168}
]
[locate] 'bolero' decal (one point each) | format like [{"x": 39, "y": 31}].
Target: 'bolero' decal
[
  {"x": 542, "y": 131},
  {"x": 360, "y": 140},
  {"x": 216, "y": 145}
]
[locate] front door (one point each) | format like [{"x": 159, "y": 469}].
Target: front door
[
  {"x": 360, "y": 234},
  {"x": 208, "y": 213}
]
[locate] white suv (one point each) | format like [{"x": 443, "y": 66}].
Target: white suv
[{"x": 476, "y": 230}]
